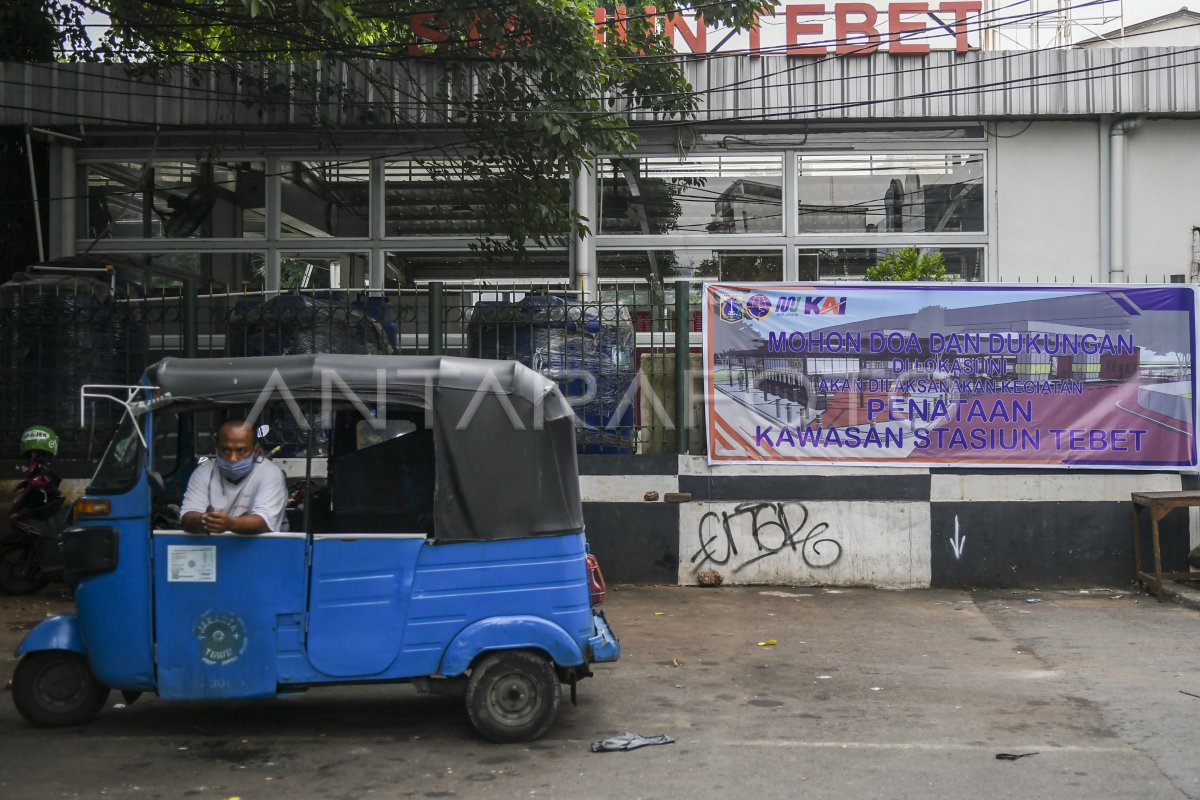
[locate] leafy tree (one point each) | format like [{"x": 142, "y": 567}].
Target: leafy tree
[
  {"x": 909, "y": 264},
  {"x": 530, "y": 92}
]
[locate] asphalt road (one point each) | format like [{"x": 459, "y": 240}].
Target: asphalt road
[{"x": 866, "y": 694}]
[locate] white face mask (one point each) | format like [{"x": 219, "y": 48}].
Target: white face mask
[{"x": 235, "y": 470}]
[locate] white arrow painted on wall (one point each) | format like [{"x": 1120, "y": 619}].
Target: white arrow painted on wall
[{"x": 958, "y": 542}]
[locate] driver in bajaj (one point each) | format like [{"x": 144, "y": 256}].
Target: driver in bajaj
[{"x": 238, "y": 491}]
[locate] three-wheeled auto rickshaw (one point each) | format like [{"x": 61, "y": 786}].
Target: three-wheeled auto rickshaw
[{"x": 439, "y": 541}]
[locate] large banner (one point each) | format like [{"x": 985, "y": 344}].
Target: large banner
[{"x": 951, "y": 375}]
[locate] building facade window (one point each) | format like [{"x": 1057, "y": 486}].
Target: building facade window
[
  {"x": 407, "y": 267},
  {"x": 832, "y": 211},
  {"x": 325, "y": 199},
  {"x": 713, "y": 194},
  {"x": 890, "y": 193},
  {"x": 731, "y": 264},
  {"x": 782, "y": 212},
  {"x": 851, "y": 263},
  {"x": 173, "y": 200},
  {"x": 304, "y": 271},
  {"x": 425, "y": 197}
]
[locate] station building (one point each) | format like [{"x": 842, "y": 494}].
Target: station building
[{"x": 1071, "y": 165}]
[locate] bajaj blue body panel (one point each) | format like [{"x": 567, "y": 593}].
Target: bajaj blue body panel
[
  {"x": 114, "y": 609},
  {"x": 248, "y": 616}
]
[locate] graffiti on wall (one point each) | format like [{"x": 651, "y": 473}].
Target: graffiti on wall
[{"x": 772, "y": 529}]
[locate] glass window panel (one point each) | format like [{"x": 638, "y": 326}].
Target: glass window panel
[
  {"x": 850, "y": 263},
  {"x": 725, "y": 265},
  {"x": 325, "y": 199},
  {"x": 210, "y": 271},
  {"x": 437, "y": 198},
  {"x": 890, "y": 193},
  {"x": 174, "y": 199},
  {"x": 722, "y": 194},
  {"x": 404, "y": 268},
  {"x": 427, "y": 198},
  {"x": 324, "y": 271}
]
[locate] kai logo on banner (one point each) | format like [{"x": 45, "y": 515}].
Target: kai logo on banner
[
  {"x": 807, "y": 304},
  {"x": 758, "y": 306}
]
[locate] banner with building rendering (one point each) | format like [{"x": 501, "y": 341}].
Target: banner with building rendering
[{"x": 951, "y": 375}]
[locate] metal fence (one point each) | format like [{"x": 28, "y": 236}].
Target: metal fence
[{"x": 612, "y": 354}]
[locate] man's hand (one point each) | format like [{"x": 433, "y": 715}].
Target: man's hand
[
  {"x": 212, "y": 521},
  {"x": 216, "y": 522}
]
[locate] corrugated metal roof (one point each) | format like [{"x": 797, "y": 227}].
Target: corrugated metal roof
[
  {"x": 946, "y": 85},
  {"x": 941, "y": 85}
]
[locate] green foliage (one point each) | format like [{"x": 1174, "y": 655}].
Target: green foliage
[
  {"x": 909, "y": 264},
  {"x": 530, "y": 94}
]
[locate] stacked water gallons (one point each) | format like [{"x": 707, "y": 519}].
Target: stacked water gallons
[
  {"x": 588, "y": 349},
  {"x": 291, "y": 324},
  {"x": 58, "y": 333}
]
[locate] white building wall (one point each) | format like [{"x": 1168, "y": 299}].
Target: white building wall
[
  {"x": 1046, "y": 209},
  {"x": 1046, "y": 206},
  {"x": 1164, "y": 198}
]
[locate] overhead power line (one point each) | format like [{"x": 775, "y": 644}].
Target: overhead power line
[{"x": 268, "y": 101}]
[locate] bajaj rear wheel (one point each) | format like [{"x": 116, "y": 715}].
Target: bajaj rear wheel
[
  {"x": 56, "y": 688},
  {"x": 20, "y": 571},
  {"x": 513, "y": 696}
]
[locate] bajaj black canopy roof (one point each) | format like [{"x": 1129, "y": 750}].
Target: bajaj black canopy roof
[{"x": 504, "y": 435}]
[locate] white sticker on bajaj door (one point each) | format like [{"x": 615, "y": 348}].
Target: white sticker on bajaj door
[{"x": 192, "y": 564}]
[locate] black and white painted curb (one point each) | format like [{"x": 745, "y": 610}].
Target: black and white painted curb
[{"x": 882, "y": 527}]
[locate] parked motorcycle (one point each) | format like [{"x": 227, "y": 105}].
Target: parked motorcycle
[{"x": 31, "y": 552}]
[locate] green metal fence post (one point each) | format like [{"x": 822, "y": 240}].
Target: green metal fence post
[
  {"x": 437, "y": 319},
  {"x": 683, "y": 319}
]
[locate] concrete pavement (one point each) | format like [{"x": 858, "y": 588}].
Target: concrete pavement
[{"x": 866, "y": 694}]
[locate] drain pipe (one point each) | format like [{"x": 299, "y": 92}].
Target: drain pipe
[
  {"x": 582, "y": 246},
  {"x": 1104, "y": 129},
  {"x": 1195, "y": 274},
  {"x": 37, "y": 209},
  {"x": 1118, "y": 256}
]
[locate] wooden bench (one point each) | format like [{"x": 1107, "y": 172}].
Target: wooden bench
[{"x": 1160, "y": 504}]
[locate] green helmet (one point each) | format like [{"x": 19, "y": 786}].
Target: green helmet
[{"x": 39, "y": 437}]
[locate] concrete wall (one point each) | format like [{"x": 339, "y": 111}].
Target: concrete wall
[
  {"x": 1164, "y": 176},
  {"x": 1046, "y": 210},
  {"x": 888, "y": 528}
]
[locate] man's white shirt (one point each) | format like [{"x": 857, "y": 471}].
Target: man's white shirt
[{"x": 262, "y": 492}]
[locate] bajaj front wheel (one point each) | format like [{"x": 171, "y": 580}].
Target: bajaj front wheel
[
  {"x": 513, "y": 696},
  {"x": 56, "y": 688}
]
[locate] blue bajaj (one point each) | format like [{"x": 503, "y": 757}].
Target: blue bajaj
[{"x": 435, "y": 537}]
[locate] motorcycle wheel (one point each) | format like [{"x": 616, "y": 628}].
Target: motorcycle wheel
[
  {"x": 56, "y": 688},
  {"x": 20, "y": 570}
]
